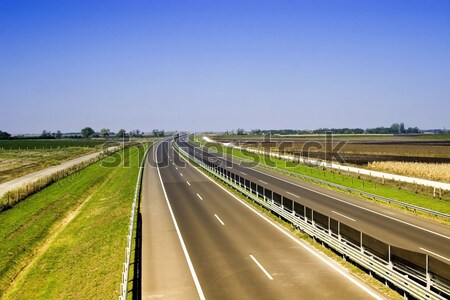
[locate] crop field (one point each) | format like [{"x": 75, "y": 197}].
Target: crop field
[
  {"x": 16, "y": 163},
  {"x": 44, "y": 256},
  {"x": 437, "y": 172},
  {"x": 48, "y": 144},
  {"x": 357, "y": 151}
]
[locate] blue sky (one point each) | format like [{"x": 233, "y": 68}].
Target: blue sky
[{"x": 218, "y": 65}]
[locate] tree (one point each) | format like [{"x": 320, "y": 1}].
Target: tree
[
  {"x": 87, "y": 132},
  {"x": 395, "y": 128},
  {"x": 4, "y": 135},
  {"x": 105, "y": 132},
  {"x": 402, "y": 127},
  {"x": 121, "y": 133},
  {"x": 240, "y": 131},
  {"x": 46, "y": 135},
  {"x": 58, "y": 134}
]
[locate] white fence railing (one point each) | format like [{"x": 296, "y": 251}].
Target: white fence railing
[
  {"x": 357, "y": 254},
  {"x": 128, "y": 249}
]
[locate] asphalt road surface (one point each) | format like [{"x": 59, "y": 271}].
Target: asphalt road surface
[
  {"x": 199, "y": 241},
  {"x": 391, "y": 226}
]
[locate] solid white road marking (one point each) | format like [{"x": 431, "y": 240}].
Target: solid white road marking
[
  {"x": 262, "y": 181},
  {"x": 200, "y": 197},
  {"x": 181, "y": 174},
  {"x": 176, "y": 168},
  {"x": 288, "y": 234},
  {"x": 217, "y": 217},
  {"x": 293, "y": 194},
  {"x": 344, "y": 216},
  {"x": 448, "y": 259},
  {"x": 183, "y": 246},
  {"x": 188, "y": 183},
  {"x": 261, "y": 267},
  {"x": 243, "y": 173}
]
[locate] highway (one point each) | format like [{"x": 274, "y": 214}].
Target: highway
[
  {"x": 391, "y": 226},
  {"x": 201, "y": 242}
]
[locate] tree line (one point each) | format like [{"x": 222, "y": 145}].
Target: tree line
[
  {"x": 86, "y": 132},
  {"x": 396, "y": 128}
]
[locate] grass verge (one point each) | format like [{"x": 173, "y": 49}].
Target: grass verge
[{"x": 84, "y": 260}]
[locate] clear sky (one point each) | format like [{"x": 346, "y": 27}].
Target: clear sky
[{"x": 217, "y": 65}]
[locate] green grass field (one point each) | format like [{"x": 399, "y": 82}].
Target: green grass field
[
  {"x": 48, "y": 257},
  {"x": 395, "y": 193}
]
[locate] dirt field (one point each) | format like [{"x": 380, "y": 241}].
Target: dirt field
[
  {"x": 16, "y": 163},
  {"x": 357, "y": 151}
]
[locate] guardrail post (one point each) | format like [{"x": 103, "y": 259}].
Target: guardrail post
[
  {"x": 391, "y": 266},
  {"x": 428, "y": 277},
  {"x": 361, "y": 241}
]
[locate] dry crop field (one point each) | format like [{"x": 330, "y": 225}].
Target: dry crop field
[
  {"x": 423, "y": 157},
  {"x": 358, "y": 151},
  {"x": 431, "y": 171},
  {"x": 16, "y": 163}
]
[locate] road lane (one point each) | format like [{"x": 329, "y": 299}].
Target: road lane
[
  {"x": 221, "y": 253},
  {"x": 165, "y": 272},
  {"x": 382, "y": 223}
]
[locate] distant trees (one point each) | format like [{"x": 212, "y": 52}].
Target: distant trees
[
  {"x": 87, "y": 132},
  {"x": 396, "y": 128},
  {"x": 135, "y": 133},
  {"x": 105, "y": 132},
  {"x": 4, "y": 135},
  {"x": 50, "y": 135},
  {"x": 121, "y": 133},
  {"x": 46, "y": 135},
  {"x": 157, "y": 132}
]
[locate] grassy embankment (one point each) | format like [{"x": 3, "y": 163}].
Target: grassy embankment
[
  {"x": 67, "y": 241},
  {"x": 373, "y": 186}
]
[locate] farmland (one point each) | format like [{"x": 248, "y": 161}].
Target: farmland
[
  {"x": 358, "y": 150},
  {"x": 16, "y": 163},
  {"x": 436, "y": 172},
  {"x": 38, "y": 257},
  {"x": 23, "y": 156},
  {"x": 48, "y": 144}
]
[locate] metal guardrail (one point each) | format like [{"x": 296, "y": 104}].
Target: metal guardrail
[
  {"x": 126, "y": 264},
  {"x": 382, "y": 268},
  {"x": 362, "y": 193},
  {"x": 436, "y": 185}
]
